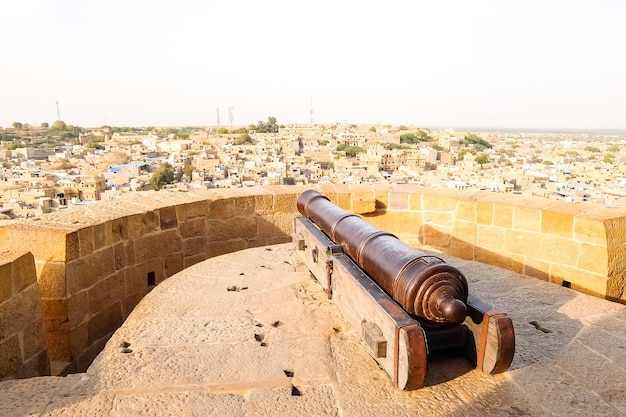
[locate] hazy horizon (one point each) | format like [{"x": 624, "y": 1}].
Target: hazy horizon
[{"x": 513, "y": 65}]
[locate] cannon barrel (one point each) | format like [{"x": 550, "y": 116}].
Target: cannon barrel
[{"x": 423, "y": 285}]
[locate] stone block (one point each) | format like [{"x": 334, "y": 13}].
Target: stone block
[
  {"x": 136, "y": 279},
  {"x": 105, "y": 322},
  {"x": 221, "y": 248},
  {"x": 168, "y": 241},
  {"x": 193, "y": 227},
  {"x": 498, "y": 259},
  {"x": 36, "y": 365},
  {"x": 264, "y": 203},
  {"x": 461, "y": 248},
  {"x": 173, "y": 264},
  {"x": 441, "y": 219},
  {"x": 59, "y": 345},
  {"x": 55, "y": 314},
  {"x": 593, "y": 258},
  {"x": 197, "y": 209},
  {"x": 24, "y": 273},
  {"x": 34, "y": 338},
  {"x": 274, "y": 226},
  {"x": 6, "y": 280},
  {"x": 100, "y": 236},
  {"x": 398, "y": 200},
  {"x": 590, "y": 229},
  {"x": 131, "y": 258},
  {"x": 503, "y": 215},
  {"x": 119, "y": 229},
  {"x": 440, "y": 201},
  {"x": 484, "y": 212},
  {"x": 219, "y": 209},
  {"x": 168, "y": 217},
  {"x": 72, "y": 248},
  {"x": 192, "y": 260},
  {"x": 85, "y": 241},
  {"x": 194, "y": 246},
  {"x": 466, "y": 209},
  {"x": 397, "y": 222},
  {"x": 106, "y": 292},
  {"x": 11, "y": 357},
  {"x": 19, "y": 310},
  {"x": 156, "y": 268},
  {"x": 51, "y": 279},
  {"x": 526, "y": 219},
  {"x": 79, "y": 337},
  {"x": 537, "y": 269},
  {"x": 362, "y": 202},
  {"x": 78, "y": 307},
  {"x": 135, "y": 226},
  {"x": 435, "y": 238},
  {"x": 578, "y": 280},
  {"x": 119, "y": 255},
  {"x": 285, "y": 202},
  {"x": 464, "y": 231},
  {"x": 492, "y": 238},
  {"x": 557, "y": 223}
]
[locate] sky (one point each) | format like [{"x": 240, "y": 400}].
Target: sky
[{"x": 499, "y": 64}]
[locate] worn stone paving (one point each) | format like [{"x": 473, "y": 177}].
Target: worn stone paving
[{"x": 252, "y": 333}]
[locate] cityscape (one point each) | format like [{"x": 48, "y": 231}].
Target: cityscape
[{"x": 55, "y": 167}]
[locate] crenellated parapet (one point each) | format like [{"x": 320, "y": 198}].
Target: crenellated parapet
[{"x": 95, "y": 263}]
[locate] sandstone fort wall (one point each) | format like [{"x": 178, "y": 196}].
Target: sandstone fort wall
[{"x": 95, "y": 263}]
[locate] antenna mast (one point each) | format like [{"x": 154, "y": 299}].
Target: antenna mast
[
  {"x": 230, "y": 116},
  {"x": 58, "y": 112},
  {"x": 217, "y": 110},
  {"x": 311, "y": 111}
]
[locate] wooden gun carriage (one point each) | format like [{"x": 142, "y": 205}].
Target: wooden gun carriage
[{"x": 405, "y": 304}]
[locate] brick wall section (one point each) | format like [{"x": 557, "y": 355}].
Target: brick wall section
[
  {"x": 23, "y": 351},
  {"x": 97, "y": 262}
]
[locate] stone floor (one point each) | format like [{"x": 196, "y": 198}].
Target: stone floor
[{"x": 252, "y": 333}]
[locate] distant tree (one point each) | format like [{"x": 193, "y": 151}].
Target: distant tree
[
  {"x": 373, "y": 129},
  {"x": 222, "y": 131},
  {"x": 410, "y": 138},
  {"x": 93, "y": 144},
  {"x": 438, "y": 147},
  {"x": 392, "y": 146},
  {"x": 269, "y": 127},
  {"x": 45, "y": 125},
  {"x": 592, "y": 149},
  {"x": 164, "y": 174},
  {"x": 59, "y": 125},
  {"x": 482, "y": 159},
  {"x": 243, "y": 139},
  {"x": 609, "y": 157},
  {"x": 613, "y": 148},
  {"x": 351, "y": 151},
  {"x": 403, "y": 127},
  {"x": 548, "y": 163},
  {"x": 17, "y": 125},
  {"x": 188, "y": 170},
  {"x": 324, "y": 142},
  {"x": 464, "y": 151},
  {"x": 476, "y": 141},
  {"x": 12, "y": 146}
]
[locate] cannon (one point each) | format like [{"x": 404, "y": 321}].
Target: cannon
[{"x": 406, "y": 304}]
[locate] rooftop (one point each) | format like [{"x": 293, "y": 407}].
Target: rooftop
[{"x": 252, "y": 333}]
